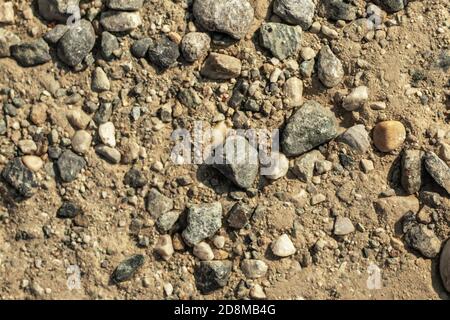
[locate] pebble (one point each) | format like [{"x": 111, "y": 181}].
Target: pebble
[
  {"x": 70, "y": 166},
  {"x": 76, "y": 43},
  {"x": 55, "y": 34},
  {"x": 394, "y": 5},
  {"x": 107, "y": 134},
  {"x": 257, "y": 292},
  {"x": 323, "y": 166},
  {"x": 221, "y": 67},
  {"x": 127, "y": 268},
  {"x": 253, "y": 268},
  {"x": 100, "y": 81},
  {"x": 343, "y": 226},
  {"x": 140, "y": 47},
  {"x": 78, "y": 119},
  {"x": 33, "y": 163},
  {"x": 21, "y": 178},
  {"x": 293, "y": 90},
  {"x": 38, "y": 114},
  {"x": 233, "y": 17},
  {"x": 219, "y": 242},
  {"x": 281, "y": 40},
  {"x": 242, "y": 170},
  {"x": 318, "y": 198},
  {"x": 378, "y": 105},
  {"x": 298, "y": 12},
  {"x": 135, "y": 178},
  {"x": 367, "y": 165},
  {"x": 7, "y": 13},
  {"x": 212, "y": 275},
  {"x": 422, "y": 239},
  {"x": 444, "y": 152},
  {"x": 278, "y": 167},
  {"x": 56, "y": 10},
  {"x": 444, "y": 266},
  {"x": 167, "y": 220},
  {"x": 125, "y": 5},
  {"x": 164, "y": 247},
  {"x": 304, "y": 165},
  {"x": 411, "y": 166},
  {"x": 68, "y": 210},
  {"x": 129, "y": 150},
  {"x": 163, "y": 52},
  {"x": 27, "y": 146},
  {"x": 307, "y": 53},
  {"x": 120, "y": 21},
  {"x": 31, "y": 54},
  {"x": 203, "y": 251},
  {"x": 283, "y": 246},
  {"x": 438, "y": 170},
  {"x": 356, "y": 99},
  {"x": 329, "y": 68},
  {"x": 7, "y": 40},
  {"x": 338, "y": 10},
  {"x": 239, "y": 215},
  {"x": 309, "y": 127},
  {"x": 195, "y": 46},
  {"x": 389, "y": 135},
  {"x": 81, "y": 141},
  {"x": 157, "y": 204},
  {"x": 203, "y": 221},
  {"x": 356, "y": 137},
  {"x": 109, "y": 45},
  {"x": 329, "y": 32}
]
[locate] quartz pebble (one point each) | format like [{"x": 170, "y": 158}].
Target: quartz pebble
[
  {"x": 283, "y": 246},
  {"x": 253, "y": 268},
  {"x": 107, "y": 134},
  {"x": 343, "y": 226},
  {"x": 164, "y": 247},
  {"x": 203, "y": 251}
]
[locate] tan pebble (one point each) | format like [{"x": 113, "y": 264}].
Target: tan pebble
[
  {"x": 164, "y": 247},
  {"x": 175, "y": 37},
  {"x": 177, "y": 242},
  {"x": 257, "y": 292},
  {"x": 389, "y": 135},
  {"x": 33, "y": 163},
  {"x": 78, "y": 119},
  {"x": 38, "y": 114},
  {"x": 81, "y": 141}
]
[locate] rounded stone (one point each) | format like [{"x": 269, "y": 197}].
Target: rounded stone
[
  {"x": 33, "y": 163},
  {"x": 389, "y": 135},
  {"x": 444, "y": 265},
  {"x": 283, "y": 246},
  {"x": 81, "y": 141},
  {"x": 203, "y": 251},
  {"x": 76, "y": 43},
  {"x": 195, "y": 46}
]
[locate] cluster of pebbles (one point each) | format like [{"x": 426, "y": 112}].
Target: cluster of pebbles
[{"x": 308, "y": 130}]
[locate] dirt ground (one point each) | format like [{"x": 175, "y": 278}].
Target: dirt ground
[{"x": 404, "y": 66}]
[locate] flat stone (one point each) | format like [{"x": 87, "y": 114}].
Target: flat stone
[
  {"x": 100, "y": 81},
  {"x": 70, "y": 166},
  {"x": 329, "y": 68},
  {"x": 412, "y": 171},
  {"x": 239, "y": 215},
  {"x": 298, "y": 12},
  {"x": 127, "y": 268},
  {"x": 233, "y": 17},
  {"x": 112, "y": 155},
  {"x": 163, "y": 52},
  {"x": 212, "y": 275},
  {"x": 68, "y": 210},
  {"x": 157, "y": 204},
  {"x": 31, "y": 54},
  {"x": 38, "y": 114},
  {"x": 438, "y": 170},
  {"x": 309, "y": 127},
  {"x": 57, "y": 10},
  {"x": 253, "y": 268},
  {"x": 27, "y": 146},
  {"x": 34, "y": 163},
  {"x": 444, "y": 266},
  {"x": 78, "y": 119},
  {"x": 389, "y": 135},
  {"x": 195, "y": 46},
  {"x": 356, "y": 99},
  {"x": 21, "y": 178},
  {"x": 120, "y": 21},
  {"x": 343, "y": 226},
  {"x": 293, "y": 90},
  {"x": 283, "y": 247},
  {"x": 81, "y": 141},
  {"x": 76, "y": 43},
  {"x": 7, "y": 13},
  {"x": 237, "y": 160},
  {"x": 125, "y": 5},
  {"x": 356, "y": 137},
  {"x": 203, "y": 221},
  {"x": 221, "y": 67},
  {"x": 280, "y": 39}
]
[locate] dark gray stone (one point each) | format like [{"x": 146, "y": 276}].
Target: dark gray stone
[
  {"x": 31, "y": 53},
  {"x": 412, "y": 171},
  {"x": 237, "y": 160},
  {"x": 438, "y": 169},
  {"x": 54, "y": 35},
  {"x": 163, "y": 52},
  {"x": 280, "y": 39},
  {"x": 299, "y": 12},
  {"x": 103, "y": 113},
  {"x": 125, "y": 5},
  {"x": 422, "y": 239},
  {"x": 329, "y": 68},
  {"x": 57, "y": 10},
  {"x": 68, "y": 210},
  {"x": 167, "y": 220},
  {"x": 189, "y": 97},
  {"x": 203, "y": 221},
  {"x": 444, "y": 266},
  {"x": 309, "y": 127},
  {"x": 127, "y": 268},
  {"x": 76, "y": 43},
  {"x": 233, "y": 17},
  {"x": 212, "y": 275},
  {"x": 394, "y": 5},
  {"x": 70, "y": 166},
  {"x": 239, "y": 215},
  {"x": 157, "y": 204},
  {"x": 109, "y": 45},
  {"x": 20, "y": 177},
  {"x": 140, "y": 47},
  {"x": 135, "y": 178},
  {"x": 337, "y": 10}
]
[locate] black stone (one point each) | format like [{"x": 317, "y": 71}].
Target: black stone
[
  {"x": 163, "y": 52},
  {"x": 135, "y": 179},
  {"x": 20, "y": 177},
  {"x": 68, "y": 210},
  {"x": 127, "y": 268},
  {"x": 212, "y": 275}
]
